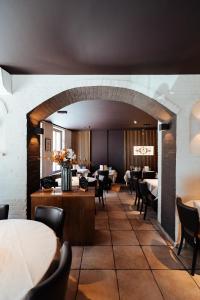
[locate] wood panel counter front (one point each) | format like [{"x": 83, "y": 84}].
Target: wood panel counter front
[{"x": 79, "y": 210}]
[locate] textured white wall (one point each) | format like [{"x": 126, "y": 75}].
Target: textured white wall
[{"x": 177, "y": 93}]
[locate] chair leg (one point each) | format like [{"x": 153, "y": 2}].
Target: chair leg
[
  {"x": 138, "y": 204},
  {"x": 194, "y": 259},
  {"x": 145, "y": 211},
  {"x": 135, "y": 199},
  {"x": 180, "y": 245},
  {"x": 141, "y": 208},
  {"x": 102, "y": 201}
]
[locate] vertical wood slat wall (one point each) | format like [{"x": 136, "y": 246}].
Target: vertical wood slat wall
[
  {"x": 81, "y": 145},
  {"x": 140, "y": 137}
]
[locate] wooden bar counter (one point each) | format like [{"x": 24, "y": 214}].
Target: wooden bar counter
[{"x": 79, "y": 210}]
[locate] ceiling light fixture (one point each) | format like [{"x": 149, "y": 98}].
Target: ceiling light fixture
[{"x": 135, "y": 122}]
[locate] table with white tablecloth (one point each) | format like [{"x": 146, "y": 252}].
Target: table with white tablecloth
[
  {"x": 75, "y": 180},
  {"x": 112, "y": 174},
  {"x": 83, "y": 172},
  {"x": 27, "y": 249},
  {"x": 152, "y": 186},
  {"x": 127, "y": 174}
]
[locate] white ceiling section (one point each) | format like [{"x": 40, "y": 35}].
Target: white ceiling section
[{"x": 98, "y": 114}]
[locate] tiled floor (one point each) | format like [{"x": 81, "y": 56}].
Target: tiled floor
[{"x": 130, "y": 259}]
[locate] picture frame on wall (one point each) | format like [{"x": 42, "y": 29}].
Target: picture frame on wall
[{"x": 47, "y": 144}]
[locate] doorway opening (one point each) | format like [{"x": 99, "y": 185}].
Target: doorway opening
[{"x": 148, "y": 105}]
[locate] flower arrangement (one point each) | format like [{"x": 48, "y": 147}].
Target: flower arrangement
[{"x": 65, "y": 157}]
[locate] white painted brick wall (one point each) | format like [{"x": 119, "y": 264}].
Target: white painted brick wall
[{"x": 177, "y": 92}]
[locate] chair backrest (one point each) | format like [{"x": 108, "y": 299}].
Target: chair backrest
[
  {"x": 189, "y": 218},
  {"x": 136, "y": 174},
  {"x": 51, "y": 216},
  {"x": 136, "y": 186},
  {"x": 48, "y": 182},
  {"x": 148, "y": 175},
  {"x": 55, "y": 286},
  {"x": 4, "y": 209},
  {"x": 74, "y": 172},
  {"x": 104, "y": 173},
  {"x": 144, "y": 191}
]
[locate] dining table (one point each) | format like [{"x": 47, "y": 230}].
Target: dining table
[
  {"x": 84, "y": 172},
  {"x": 152, "y": 185},
  {"x": 112, "y": 174},
  {"x": 145, "y": 174},
  {"x": 75, "y": 180},
  {"x": 27, "y": 251}
]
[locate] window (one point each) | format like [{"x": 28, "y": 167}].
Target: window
[{"x": 58, "y": 144}]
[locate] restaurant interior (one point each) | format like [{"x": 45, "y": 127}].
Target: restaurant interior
[{"x": 99, "y": 150}]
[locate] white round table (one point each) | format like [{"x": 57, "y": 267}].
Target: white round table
[{"x": 27, "y": 249}]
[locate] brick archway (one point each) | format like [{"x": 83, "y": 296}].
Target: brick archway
[{"x": 111, "y": 93}]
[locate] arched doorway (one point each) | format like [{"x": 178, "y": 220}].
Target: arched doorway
[{"x": 108, "y": 93}]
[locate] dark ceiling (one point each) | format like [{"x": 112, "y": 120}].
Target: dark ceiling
[
  {"x": 99, "y": 114},
  {"x": 100, "y": 36}
]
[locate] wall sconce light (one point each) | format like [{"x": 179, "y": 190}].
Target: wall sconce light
[
  {"x": 38, "y": 130},
  {"x": 164, "y": 126}
]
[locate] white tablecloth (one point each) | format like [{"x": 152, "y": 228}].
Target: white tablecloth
[
  {"x": 127, "y": 175},
  {"x": 112, "y": 174},
  {"x": 84, "y": 172},
  {"x": 152, "y": 186},
  {"x": 27, "y": 249},
  {"x": 75, "y": 180}
]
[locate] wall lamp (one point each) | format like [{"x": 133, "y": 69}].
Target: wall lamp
[
  {"x": 164, "y": 126},
  {"x": 38, "y": 130}
]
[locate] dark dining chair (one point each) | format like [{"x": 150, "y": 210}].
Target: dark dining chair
[
  {"x": 138, "y": 196},
  {"x": 55, "y": 286},
  {"x": 74, "y": 172},
  {"x": 99, "y": 189},
  {"x": 51, "y": 216},
  {"x": 4, "y": 210},
  {"x": 106, "y": 180},
  {"x": 131, "y": 182},
  {"x": 137, "y": 174},
  {"x": 190, "y": 230},
  {"x": 148, "y": 174},
  {"x": 147, "y": 198}
]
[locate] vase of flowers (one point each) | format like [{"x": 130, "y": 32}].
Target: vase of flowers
[{"x": 65, "y": 158}]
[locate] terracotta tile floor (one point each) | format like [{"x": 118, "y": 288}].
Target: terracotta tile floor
[{"x": 130, "y": 259}]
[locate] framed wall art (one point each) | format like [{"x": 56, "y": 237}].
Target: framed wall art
[{"x": 47, "y": 144}]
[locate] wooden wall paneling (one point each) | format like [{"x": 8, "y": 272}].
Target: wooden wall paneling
[
  {"x": 141, "y": 137},
  {"x": 81, "y": 145}
]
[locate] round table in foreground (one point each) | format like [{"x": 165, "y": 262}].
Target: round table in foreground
[{"x": 27, "y": 249}]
